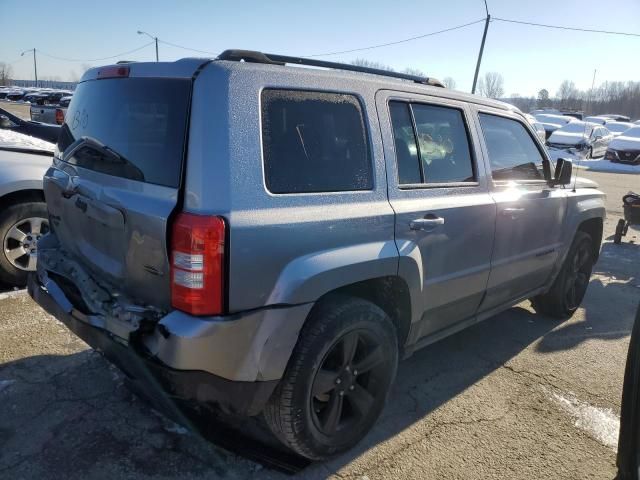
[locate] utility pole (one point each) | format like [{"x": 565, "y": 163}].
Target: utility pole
[
  {"x": 593, "y": 83},
  {"x": 155, "y": 39},
  {"x": 35, "y": 65},
  {"x": 484, "y": 37}
]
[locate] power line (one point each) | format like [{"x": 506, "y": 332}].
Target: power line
[
  {"x": 417, "y": 37},
  {"x": 94, "y": 59},
  {"x": 560, "y": 27},
  {"x": 187, "y": 48}
]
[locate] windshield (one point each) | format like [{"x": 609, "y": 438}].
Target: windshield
[
  {"x": 557, "y": 119},
  {"x": 633, "y": 132},
  {"x": 576, "y": 127},
  {"x": 139, "y": 124},
  {"x": 618, "y": 127}
]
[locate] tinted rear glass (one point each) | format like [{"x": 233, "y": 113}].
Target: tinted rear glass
[
  {"x": 141, "y": 121},
  {"x": 314, "y": 142}
]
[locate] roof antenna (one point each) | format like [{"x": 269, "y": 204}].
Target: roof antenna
[{"x": 593, "y": 82}]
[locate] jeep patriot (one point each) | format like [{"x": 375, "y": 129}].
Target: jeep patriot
[{"x": 270, "y": 239}]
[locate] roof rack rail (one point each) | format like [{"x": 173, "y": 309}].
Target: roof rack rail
[{"x": 273, "y": 59}]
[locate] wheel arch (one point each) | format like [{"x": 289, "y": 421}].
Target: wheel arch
[
  {"x": 390, "y": 293},
  {"x": 21, "y": 196},
  {"x": 594, "y": 228}
]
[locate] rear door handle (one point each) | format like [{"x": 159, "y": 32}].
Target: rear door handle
[
  {"x": 512, "y": 212},
  {"x": 428, "y": 223}
]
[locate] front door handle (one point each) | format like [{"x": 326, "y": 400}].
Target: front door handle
[
  {"x": 428, "y": 223},
  {"x": 513, "y": 213}
]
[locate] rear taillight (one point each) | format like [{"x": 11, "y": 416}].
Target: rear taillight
[
  {"x": 59, "y": 116},
  {"x": 197, "y": 264}
]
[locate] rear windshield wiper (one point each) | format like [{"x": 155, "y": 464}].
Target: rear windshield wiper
[{"x": 108, "y": 161}]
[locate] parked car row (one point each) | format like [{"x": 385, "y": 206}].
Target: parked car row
[
  {"x": 613, "y": 136},
  {"x": 38, "y": 96},
  {"x": 47, "y": 105}
]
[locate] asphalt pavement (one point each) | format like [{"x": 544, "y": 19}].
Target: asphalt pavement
[{"x": 517, "y": 396}]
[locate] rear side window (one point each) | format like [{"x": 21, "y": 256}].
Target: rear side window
[
  {"x": 513, "y": 154},
  {"x": 314, "y": 142},
  {"x": 132, "y": 128},
  {"x": 431, "y": 147}
]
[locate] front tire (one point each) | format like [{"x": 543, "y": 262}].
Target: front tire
[
  {"x": 337, "y": 380},
  {"x": 570, "y": 286}
]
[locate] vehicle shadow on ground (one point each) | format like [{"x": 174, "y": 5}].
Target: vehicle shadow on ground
[
  {"x": 4, "y": 288},
  {"x": 71, "y": 417}
]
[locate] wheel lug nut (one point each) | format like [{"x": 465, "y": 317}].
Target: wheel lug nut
[
  {"x": 342, "y": 393},
  {"x": 351, "y": 387},
  {"x": 355, "y": 372},
  {"x": 338, "y": 381}
]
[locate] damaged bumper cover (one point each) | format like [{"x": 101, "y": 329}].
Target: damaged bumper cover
[{"x": 234, "y": 361}]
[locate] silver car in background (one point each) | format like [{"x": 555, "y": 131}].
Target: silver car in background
[
  {"x": 23, "y": 214},
  {"x": 585, "y": 139}
]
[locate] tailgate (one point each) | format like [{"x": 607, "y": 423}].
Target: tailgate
[{"x": 116, "y": 179}]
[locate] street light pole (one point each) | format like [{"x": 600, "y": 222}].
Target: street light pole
[
  {"x": 35, "y": 65},
  {"x": 155, "y": 39},
  {"x": 484, "y": 37}
]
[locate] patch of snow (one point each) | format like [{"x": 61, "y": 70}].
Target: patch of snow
[
  {"x": 595, "y": 164},
  {"x": 13, "y": 294},
  {"x": 5, "y": 383},
  {"x": 601, "y": 423},
  {"x": 11, "y": 139}
]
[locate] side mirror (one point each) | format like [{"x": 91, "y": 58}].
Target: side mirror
[
  {"x": 562, "y": 174},
  {"x": 5, "y": 122}
]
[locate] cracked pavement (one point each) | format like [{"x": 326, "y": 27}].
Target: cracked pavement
[{"x": 475, "y": 405}]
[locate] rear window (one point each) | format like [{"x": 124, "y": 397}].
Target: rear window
[
  {"x": 314, "y": 142},
  {"x": 134, "y": 128}
]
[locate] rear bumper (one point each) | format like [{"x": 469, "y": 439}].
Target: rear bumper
[{"x": 178, "y": 356}]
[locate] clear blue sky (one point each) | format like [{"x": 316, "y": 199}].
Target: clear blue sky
[{"x": 529, "y": 58}]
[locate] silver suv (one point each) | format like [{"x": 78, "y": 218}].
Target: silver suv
[{"x": 271, "y": 240}]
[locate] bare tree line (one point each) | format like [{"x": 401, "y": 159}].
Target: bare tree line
[
  {"x": 5, "y": 74},
  {"x": 361, "y": 62},
  {"x": 609, "y": 97}
]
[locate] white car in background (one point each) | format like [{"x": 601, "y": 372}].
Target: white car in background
[
  {"x": 625, "y": 148},
  {"x": 587, "y": 140},
  {"x": 618, "y": 128},
  {"x": 597, "y": 119}
]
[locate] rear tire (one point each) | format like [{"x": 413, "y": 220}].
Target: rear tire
[
  {"x": 14, "y": 223},
  {"x": 570, "y": 286},
  {"x": 323, "y": 405}
]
